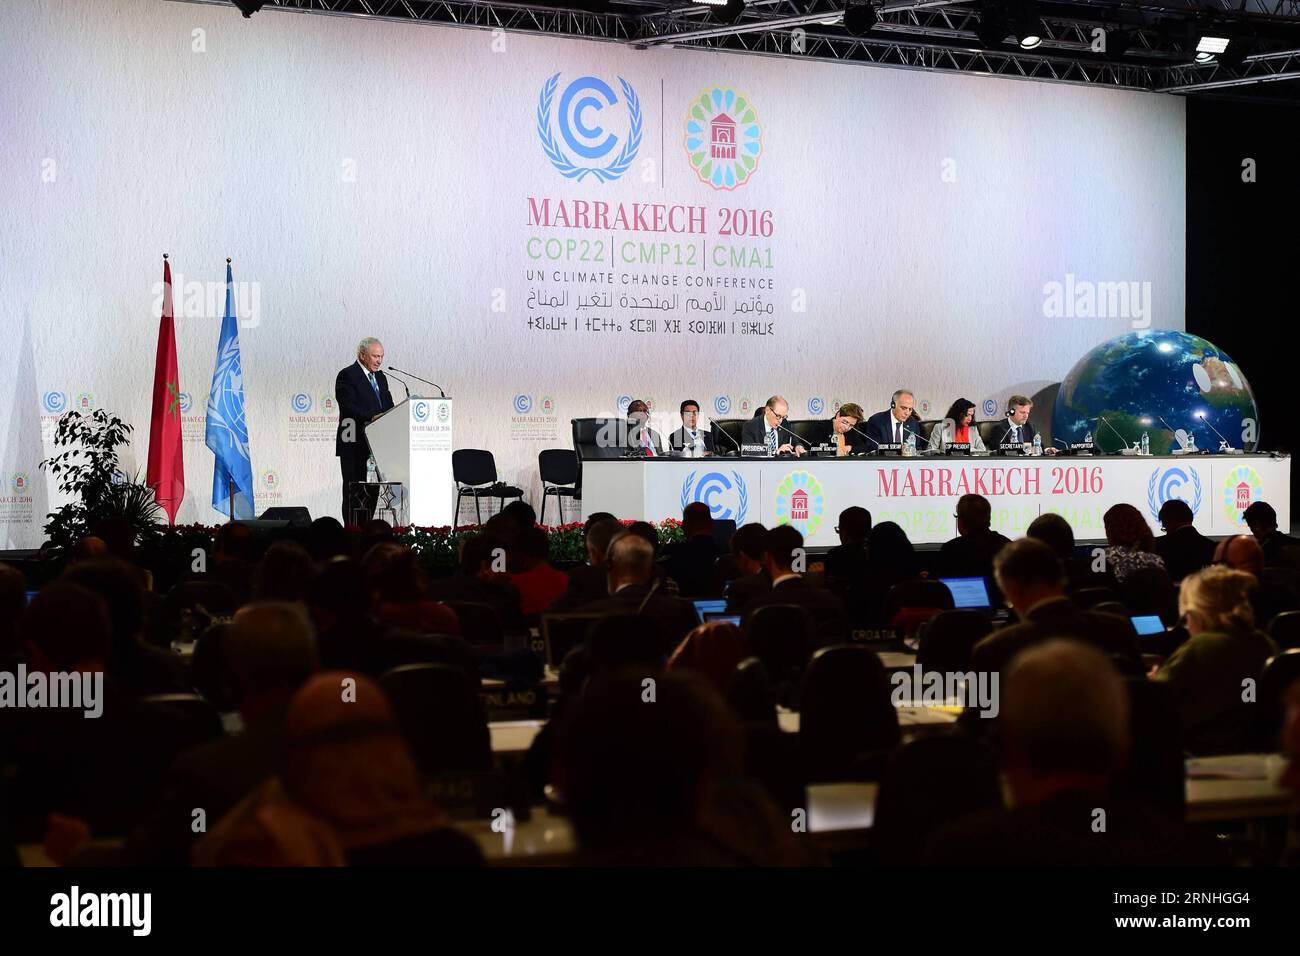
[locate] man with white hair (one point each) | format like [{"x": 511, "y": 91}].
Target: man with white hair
[{"x": 361, "y": 391}]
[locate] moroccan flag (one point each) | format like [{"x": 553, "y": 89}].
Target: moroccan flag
[{"x": 166, "y": 475}]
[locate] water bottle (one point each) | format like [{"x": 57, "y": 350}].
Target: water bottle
[
  {"x": 372, "y": 471},
  {"x": 1191, "y": 444},
  {"x": 1038, "y": 446},
  {"x": 1087, "y": 438},
  {"x": 1146, "y": 444},
  {"x": 909, "y": 446}
]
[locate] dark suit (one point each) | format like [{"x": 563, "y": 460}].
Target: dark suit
[
  {"x": 676, "y": 618},
  {"x": 690, "y": 564},
  {"x": 846, "y": 563},
  {"x": 1002, "y": 434},
  {"x": 357, "y": 405},
  {"x": 1059, "y": 617},
  {"x": 1276, "y": 546},
  {"x": 825, "y": 609},
  {"x": 586, "y": 583},
  {"x": 1185, "y": 551},
  {"x": 754, "y": 432},
  {"x": 679, "y": 440},
  {"x": 971, "y": 555},
  {"x": 635, "y": 437},
  {"x": 880, "y": 427},
  {"x": 745, "y": 589}
]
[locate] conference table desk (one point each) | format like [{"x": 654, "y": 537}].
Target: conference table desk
[{"x": 921, "y": 493}]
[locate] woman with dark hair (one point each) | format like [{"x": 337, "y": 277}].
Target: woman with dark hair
[
  {"x": 1131, "y": 544},
  {"x": 957, "y": 427}
]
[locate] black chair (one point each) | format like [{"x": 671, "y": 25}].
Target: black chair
[
  {"x": 780, "y": 635},
  {"x": 480, "y": 624},
  {"x": 441, "y": 717},
  {"x": 724, "y": 572},
  {"x": 1089, "y": 598},
  {"x": 475, "y": 473},
  {"x": 729, "y": 442},
  {"x": 1280, "y": 673},
  {"x": 846, "y": 710},
  {"x": 558, "y": 469},
  {"x": 1154, "y": 773},
  {"x": 918, "y": 593},
  {"x": 1151, "y": 591},
  {"x": 947, "y": 639},
  {"x": 396, "y": 647},
  {"x": 1117, "y": 608},
  {"x": 209, "y": 673},
  {"x": 989, "y": 430},
  {"x": 927, "y": 783},
  {"x": 750, "y": 693},
  {"x": 1285, "y": 630},
  {"x": 927, "y": 428}
]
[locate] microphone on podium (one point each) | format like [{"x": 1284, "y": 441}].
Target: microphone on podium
[
  {"x": 401, "y": 382},
  {"x": 401, "y": 371}
]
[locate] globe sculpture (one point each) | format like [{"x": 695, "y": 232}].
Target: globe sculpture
[{"x": 1167, "y": 384}]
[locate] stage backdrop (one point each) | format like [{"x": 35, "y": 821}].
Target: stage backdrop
[{"x": 545, "y": 228}]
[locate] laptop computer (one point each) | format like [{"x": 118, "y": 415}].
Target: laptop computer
[
  {"x": 705, "y": 607},
  {"x": 971, "y": 593},
  {"x": 729, "y": 618},
  {"x": 1147, "y": 624}
]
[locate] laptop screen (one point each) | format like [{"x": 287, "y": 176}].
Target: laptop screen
[
  {"x": 968, "y": 592},
  {"x": 1146, "y": 624},
  {"x": 710, "y": 606},
  {"x": 729, "y": 618}
]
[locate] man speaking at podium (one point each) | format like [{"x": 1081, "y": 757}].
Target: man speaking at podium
[{"x": 362, "y": 393}]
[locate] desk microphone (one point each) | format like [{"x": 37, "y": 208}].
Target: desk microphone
[
  {"x": 1225, "y": 441},
  {"x": 800, "y": 437},
  {"x": 1127, "y": 443},
  {"x": 866, "y": 436},
  {"x": 441, "y": 393},
  {"x": 403, "y": 384},
  {"x": 719, "y": 430}
]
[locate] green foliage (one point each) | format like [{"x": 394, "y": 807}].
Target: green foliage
[{"x": 87, "y": 469}]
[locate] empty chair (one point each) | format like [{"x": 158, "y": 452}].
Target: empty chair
[
  {"x": 779, "y": 636},
  {"x": 479, "y": 623},
  {"x": 1285, "y": 630},
  {"x": 1153, "y": 773},
  {"x": 930, "y": 782},
  {"x": 558, "y": 470},
  {"x": 1280, "y": 673},
  {"x": 750, "y": 693},
  {"x": 441, "y": 716},
  {"x": 947, "y": 638},
  {"x": 845, "y": 711},
  {"x": 1151, "y": 591},
  {"x": 475, "y": 473}
]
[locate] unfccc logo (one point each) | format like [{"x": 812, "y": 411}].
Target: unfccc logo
[
  {"x": 302, "y": 403},
  {"x": 523, "y": 404},
  {"x": 816, "y": 405},
  {"x": 420, "y": 411},
  {"x": 722, "y": 405},
  {"x": 1168, "y": 484},
  {"x": 584, "y": 101},
  {"x": 990, "y": 408},
  {"x": 623, "y": 402},
  {"x": 54, "y": 402},
  {"x": 187, "y": 402},
  {"x": 715, "y": 485}
]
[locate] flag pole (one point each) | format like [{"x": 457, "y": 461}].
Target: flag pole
[{"x": 231, "y": 484}]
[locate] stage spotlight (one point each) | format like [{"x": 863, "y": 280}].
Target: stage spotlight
[
  {"x": 727, "y": 12},
  {"x": 249, "y": 7},
  {"x": 860, "y": 18},
  {"x": 993, "y": 26},
  {"x": 1026, "y": 25}
]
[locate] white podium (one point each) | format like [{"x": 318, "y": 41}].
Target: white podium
[{"x": 412, "y": 443}]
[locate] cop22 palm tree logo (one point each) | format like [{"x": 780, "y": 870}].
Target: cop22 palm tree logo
[{"x": 592, "y": 94}]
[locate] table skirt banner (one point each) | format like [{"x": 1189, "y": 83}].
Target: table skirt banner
[{"x": 920, "y": 494}]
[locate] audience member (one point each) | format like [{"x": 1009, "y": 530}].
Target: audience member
[
  {"x": 538, "y": 582},
  {"x": 1055, "y": 532},
  {"x": 1280, "y": 550},
  {"x": 482, "y": 578},
  {"x": 1065, "y": 733},
  {"x": 348, "y": 793},
  {"x": 1131, "y": 544},
  {"x": 711, "y": 650},
  {"x": 658, "y": 784},
  {"x": 630, "y": 571},
  {"x": 752, "y": 580},
  {"x": 782, "y": 552},
  {"x": 284, "y": 573},
  {"x": 397, "y": 596},
  {"x": 1183, "y": 549},
  {"x": 971, "y": 553},
  {"x": 689, "y": 562},
  {"x": 1270, "y": 598},
  {"x": 1031, "y": 578},
  {"x": 1207, "y": 672},
  {"x": 846, "y": 563},
  {"x": 587, "y": 581}
]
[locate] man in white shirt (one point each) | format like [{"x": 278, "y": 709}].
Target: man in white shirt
[
  {"x": 769, "y": 430},
  {"x": 689, "y": 439}
]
